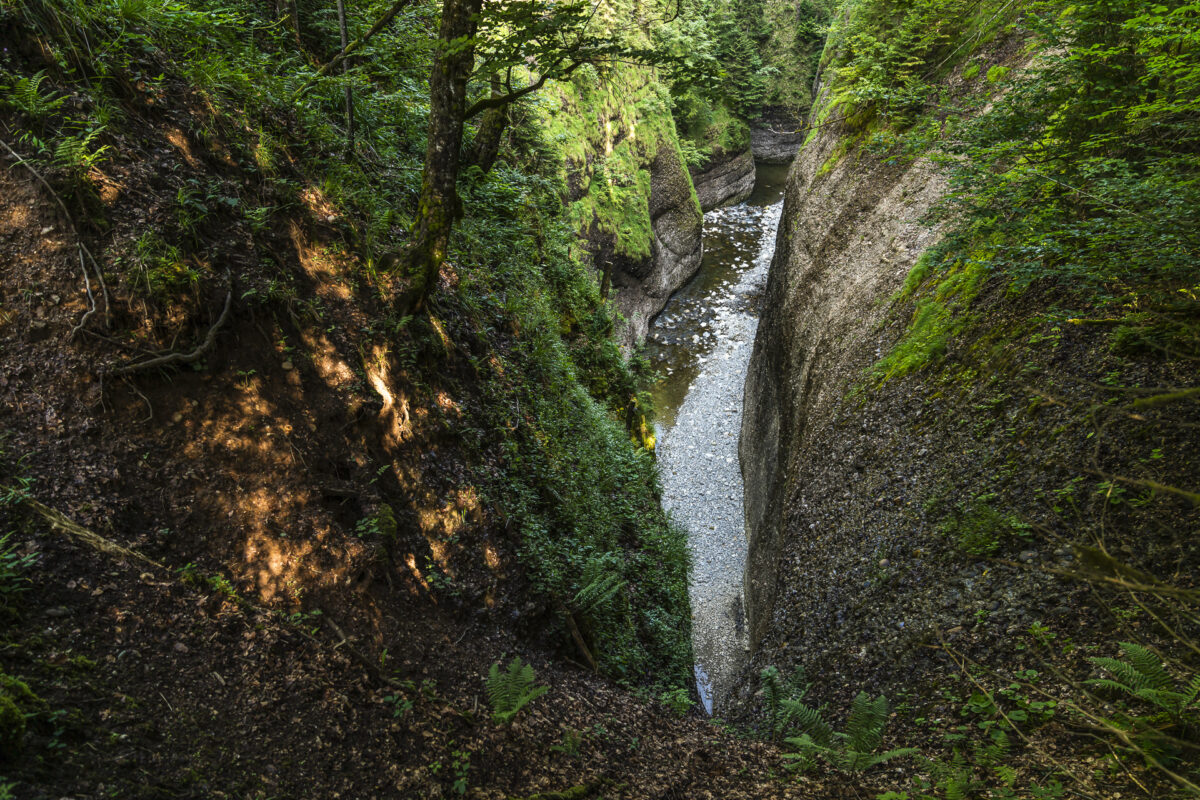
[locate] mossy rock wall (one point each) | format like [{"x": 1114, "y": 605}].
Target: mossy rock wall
[{"x": 629, "y": 193}]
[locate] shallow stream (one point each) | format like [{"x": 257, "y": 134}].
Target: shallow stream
[{"x": 701, "y": 344}]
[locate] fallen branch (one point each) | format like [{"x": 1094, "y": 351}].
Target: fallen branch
[
  {"x": 87, "y": 284},
  {"x": 182, "y": 358},
  {"x": 61, "y": 522},
  {"x": 1169, "y": 397},
  {"x": 577, "y": 635}
]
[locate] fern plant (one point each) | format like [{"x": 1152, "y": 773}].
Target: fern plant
[
  {"x": 1173, "y": 725},
  {"x": 1144, "y": 677},
  {"x": 75, "y": 153},
  {"x": 602, "y": 582},
  {"x": 25, "y": 95},
  {"x": 851, "y": 750},
  {"x": 511, "y": 690},
  {"x": 783, "y": 699}
]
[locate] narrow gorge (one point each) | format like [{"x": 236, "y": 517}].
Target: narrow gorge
[{"x": 599, "y": 399}]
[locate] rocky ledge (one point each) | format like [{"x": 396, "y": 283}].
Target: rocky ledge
[
  {"x": 726, "y": 180},
  {"x": 777, "y": 138},
  {"x": 641, "y": 289}
]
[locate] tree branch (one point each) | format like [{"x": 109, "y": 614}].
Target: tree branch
[
  {"x": 349, "y": 49},
  {"x": 495, "y": 101}
]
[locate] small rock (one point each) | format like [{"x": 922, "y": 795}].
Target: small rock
[
  {"x": 1028, "y": 555},
  {"x": 287, "y": 365},
  {"x": 884, "y": 563},
  {"x": 177, "y": 417},
  {"x": 180, "y": 647}
]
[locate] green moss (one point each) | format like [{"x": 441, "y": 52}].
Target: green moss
[
  {"x": 978, "y": 529},
  {"x": 971, "y": 71},
  {"x": 937, "y": 317},
  {"x": 997, "y": 73},
  {"x": 12, "y": 727},
  {"x": 17, "y": 701},
  {"x": 843, "y": 146},
  {"x": 608, "y": 131},
  {"x": 917, "y": 275}
]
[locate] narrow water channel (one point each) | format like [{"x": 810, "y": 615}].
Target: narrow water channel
[{"x": 701, "y": 343}]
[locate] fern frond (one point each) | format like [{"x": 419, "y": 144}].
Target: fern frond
[
  {"x": 864, "y": 728},
  {"x": 1148, "y": 664},
  {"x": 511, "y": 690},
  {"x": 807, "y": 721},
  {"x": 1165, "y": 699},
  {"x": 806, "y": 751},
  {"x": 601, "y": 582},
  {"x": 996, "y": 749},
  {"x": 854, "y": 761},
  {"x": 1193, "y": 691},
  {"x": 1128, "y": 678}
]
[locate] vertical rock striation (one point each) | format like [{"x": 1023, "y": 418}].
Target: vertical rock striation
[
  {"x": 847, "y": 239},
  {"x": 724, "y": 181}
]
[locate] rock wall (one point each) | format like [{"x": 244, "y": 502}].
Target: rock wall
[
  {"x": 776, "y": 138},
  {"x": 889, "y": 517},
  {"x": 642, "y": 287},
  {"x": 726, "y": 181},
  {"x": 846, "y": 241}
]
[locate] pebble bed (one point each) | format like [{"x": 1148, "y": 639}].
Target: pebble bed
[{"x": 698, "y": 454}]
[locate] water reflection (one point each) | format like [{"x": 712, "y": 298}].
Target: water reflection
[{"x": 683, "y": 336}]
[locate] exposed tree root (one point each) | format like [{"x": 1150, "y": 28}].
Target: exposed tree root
[{"x": 182, "y": 358}]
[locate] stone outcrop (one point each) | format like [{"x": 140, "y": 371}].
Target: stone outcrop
[
  {"x": 888, "y": 517},
  {"x": 776, "y": 138},
  {"x": 641, "y": 288},
  {"x": 725, "y": 180}
]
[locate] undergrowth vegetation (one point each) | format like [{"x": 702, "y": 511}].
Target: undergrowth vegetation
[{"x": 557, "y": 438}]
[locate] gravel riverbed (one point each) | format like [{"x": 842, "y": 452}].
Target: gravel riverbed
[{"x": 698, "y": 454}]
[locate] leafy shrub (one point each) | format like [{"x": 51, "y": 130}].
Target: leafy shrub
[
  {"x": 677, "y": 699},
  {"x": 511, "y": 690}
]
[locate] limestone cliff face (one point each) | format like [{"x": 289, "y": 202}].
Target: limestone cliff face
[
  {"x": 641, "y": 287},
  {"x": 943, "y": 505},
  {"x": 846, "y": 241},
  {"x": 727, "y": 180}
]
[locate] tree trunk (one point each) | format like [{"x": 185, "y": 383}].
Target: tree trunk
[
  {"x": 291, "y": 9},
  {"x": 487, "y": 139},
  {"x": 438, "y": 206},
  {"x": 341, "y": 10}
]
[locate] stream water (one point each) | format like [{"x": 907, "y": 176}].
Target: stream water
[{"x": 701, "y": 344}]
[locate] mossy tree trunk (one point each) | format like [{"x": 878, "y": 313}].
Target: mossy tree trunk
[
  {"x": 438, "y": 206},
  {"x": 491, "y": 128}
]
